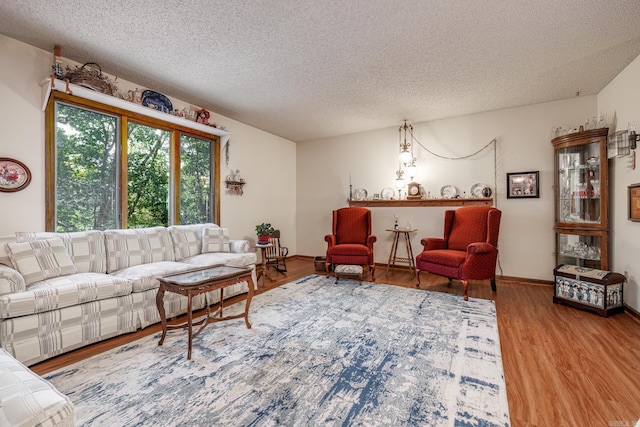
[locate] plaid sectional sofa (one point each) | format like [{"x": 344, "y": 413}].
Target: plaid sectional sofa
[{"x": 62, "y": 291}]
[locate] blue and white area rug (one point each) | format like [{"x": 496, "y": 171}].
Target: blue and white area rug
[{"x": 318, "y": 354}]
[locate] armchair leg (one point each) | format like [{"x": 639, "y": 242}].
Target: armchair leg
[
  {"x": 372, "y": 267},
  {"x": 417, "y": 278},
  {"x": 465, "y": 284},
  {"x": 326, "y": 268},
  {"x": 493, "y": 285}
]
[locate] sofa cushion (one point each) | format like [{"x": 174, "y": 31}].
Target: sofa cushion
[
  {"x": 29, "y": 400},
  {"x": 11, "y": 281},
  {"x": 86, "y": 248},
  {"x": 41, "y": 259},
  {"x": 128, "y": 248},
  {"x": 202, "y": 260},
  {"x": 65, "y": 291},
  {"x": 187, "y": 239},
  {"x": 145, "y": 276},
  {"x": 215, "y": 240}
]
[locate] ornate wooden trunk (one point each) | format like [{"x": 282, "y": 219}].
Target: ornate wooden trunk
[{"x": 599, "y": 291}]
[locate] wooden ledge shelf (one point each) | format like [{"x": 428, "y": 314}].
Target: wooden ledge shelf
[{"x": 488, "y": 201}]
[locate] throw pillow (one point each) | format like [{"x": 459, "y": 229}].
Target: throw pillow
[
  {"x": 215, "y": 240},
  {"x": 41, "y": 259}
]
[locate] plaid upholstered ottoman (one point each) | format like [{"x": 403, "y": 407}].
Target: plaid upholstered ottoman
[
  {"x": 348, "y": 270},
  {"x": 28, "y": 400}
]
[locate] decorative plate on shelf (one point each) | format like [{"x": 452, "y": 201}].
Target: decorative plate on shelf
[
  {"x": 359, "y": 194},
  {"x": 448, "y": 191},
  {"x": 388, "y": 193},
  {"x": 156, "y": 101},
  {"x": 476, "y": 190}
]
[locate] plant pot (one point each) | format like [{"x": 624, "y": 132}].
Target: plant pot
[{"x": 263, "y": 239}]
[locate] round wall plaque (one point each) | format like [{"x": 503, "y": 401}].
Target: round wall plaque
[{"x": 14, "y": 175}]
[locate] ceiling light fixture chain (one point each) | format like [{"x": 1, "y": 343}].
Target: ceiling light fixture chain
[{"x": 413, "y": 138}]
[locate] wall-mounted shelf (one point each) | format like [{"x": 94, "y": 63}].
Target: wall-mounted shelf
[
  {"x": 485, "y": 201},
  {"x": 49, "y": 85},
  {"x": 235, "y": 187}
]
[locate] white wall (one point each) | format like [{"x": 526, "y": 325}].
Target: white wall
[
  {"x": 267, "y": 162},
  {"x": 621, "y": 99},
  {"x": 526, "y": 236}
]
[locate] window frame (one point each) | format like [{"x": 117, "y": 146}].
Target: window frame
[{"x": 126, "y": 116}]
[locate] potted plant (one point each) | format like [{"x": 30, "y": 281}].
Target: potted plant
[{"x": 263, "y": 231}]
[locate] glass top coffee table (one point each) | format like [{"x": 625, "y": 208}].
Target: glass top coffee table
[{"x": 194, "y": 282}]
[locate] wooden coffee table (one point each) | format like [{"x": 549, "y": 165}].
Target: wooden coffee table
[{"x": 194, "y": 282}]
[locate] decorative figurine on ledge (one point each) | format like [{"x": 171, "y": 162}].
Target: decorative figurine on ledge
[{"x": 202, "y": 116}]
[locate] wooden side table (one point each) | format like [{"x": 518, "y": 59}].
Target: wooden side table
[
  {"x": 263, "y": 253},
  {"x": 393, "y": 256}
]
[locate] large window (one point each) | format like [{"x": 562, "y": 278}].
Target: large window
[
  {"x": 109, "y": 168},
  {"x": 86, "y": 169},
  {"x": 148, "y": 163},
  {"x": 195, "y": 180}
]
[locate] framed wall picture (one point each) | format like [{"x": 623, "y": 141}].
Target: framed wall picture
[
  {"x": 14, "y": 175},
  {"x": 523, "y": 185},
  {"x": 634, "y": 202}
]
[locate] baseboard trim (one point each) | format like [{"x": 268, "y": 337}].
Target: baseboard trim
[
  {"x": 525, "y": 279},
  {"x": 633, "y": 312},
  {"x": 507, "y": 278}
]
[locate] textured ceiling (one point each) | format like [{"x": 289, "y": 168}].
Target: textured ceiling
[{"x": 308, "y": 69}]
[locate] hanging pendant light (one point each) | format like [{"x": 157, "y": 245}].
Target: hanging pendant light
[{"x": 406, "y": 149}]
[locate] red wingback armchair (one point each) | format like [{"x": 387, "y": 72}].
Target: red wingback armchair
[
  {"x": 351, "y": 241},
  {"x": 469, "y": 249}
]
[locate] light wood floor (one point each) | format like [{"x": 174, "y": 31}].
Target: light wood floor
[{"x": 563, "y": 367}]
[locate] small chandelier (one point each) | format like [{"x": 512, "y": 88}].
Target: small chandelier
[
  {"x": 406, "y": 148},
  {"x": 406, "y": 158}
]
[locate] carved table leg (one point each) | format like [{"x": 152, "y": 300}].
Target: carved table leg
[
  {"x": 163, "y": 318},
  {"x": 189, "y": 325}
]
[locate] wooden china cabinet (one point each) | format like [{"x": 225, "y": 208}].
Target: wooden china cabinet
[{"x": 582, "y": 199}]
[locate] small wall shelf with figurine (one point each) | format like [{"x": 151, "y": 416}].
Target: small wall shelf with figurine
[
  {"x": 235, "y": 187},
  {"x": 484, "y": 201}
]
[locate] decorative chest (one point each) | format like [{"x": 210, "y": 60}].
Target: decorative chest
[{"x": 590, "y": 289}]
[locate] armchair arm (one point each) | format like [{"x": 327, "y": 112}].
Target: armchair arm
[
  {"x": 371, "y": 240},
  {"x": 284, "y": 251},
  {"x": 480, "y": 248},
  {"x": 480, "y": 263},
  {"x": 330, "y": 239},
  {"x": 433, "y": 243}
]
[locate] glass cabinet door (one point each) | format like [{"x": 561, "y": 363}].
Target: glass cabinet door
[
  {"x": 581, "y": 250},
  {"x": 578, "y": 192}
]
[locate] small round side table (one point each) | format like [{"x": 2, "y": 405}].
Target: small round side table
[
  {"x": 393, "y": 256},
  {"x": 263, "y": 253}
]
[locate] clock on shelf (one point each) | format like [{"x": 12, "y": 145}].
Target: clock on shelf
[{"x": 413, "y": 191}]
